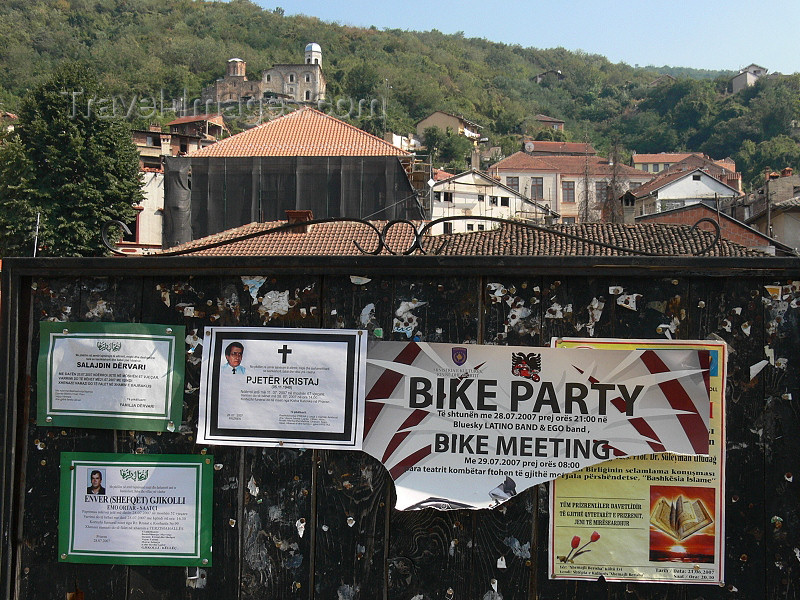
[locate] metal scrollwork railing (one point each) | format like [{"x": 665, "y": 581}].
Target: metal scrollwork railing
[{"x": 419, "y": 234}]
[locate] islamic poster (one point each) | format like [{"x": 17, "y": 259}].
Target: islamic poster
[
  {"x": 135, "y": 509},
  {"x": 657, "y": 517},
  {"x": 471, "y": 426},
  {"x": 301, "y": 388},
  {"x": 110, "y": 375}
]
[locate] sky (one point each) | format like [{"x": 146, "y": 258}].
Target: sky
[{"x": 703, "y": 34}]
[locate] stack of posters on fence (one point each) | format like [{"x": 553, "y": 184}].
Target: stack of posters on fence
[
  {"x": 472, "y": 426},
  {"x": 110, "y": 375},
  {"x": 300, "y": 388},
  {"x": 655, "y": 518},
  {"x": 132, "y": 509}
]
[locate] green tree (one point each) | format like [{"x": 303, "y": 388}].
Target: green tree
[
  {"x": 17, "y": 200},
  {"x": 78, "y": 165}
]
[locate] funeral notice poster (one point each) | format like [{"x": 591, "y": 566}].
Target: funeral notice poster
[
  {"x": 472, "y": 426},
  {"x": 297, "y": 388},
  {"x": 135, "y": 509},
  {"x": 110, "y": 375},
  {"x": 652, "y": 518}
]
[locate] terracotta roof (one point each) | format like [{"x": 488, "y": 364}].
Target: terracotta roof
[
  {"x": 459, "y": 117},
  {"x": 663, "y": 157},
  {"x": 214, "y": 118},
  {"x": 670, "y": 177},
  {"x": 546, "y": 119},
  {"x": 566, "y": 165},
  {"x": 561, "y": 147},
  {"x": 336, "y": 239},
  {"x": 304, "y": 132},
  {"x": 441, "y": 175}
]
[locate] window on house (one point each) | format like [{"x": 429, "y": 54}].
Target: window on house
[
  {"x": 291, "y": 78},
  {"x": 568, "y": 220},
  {"x": 568, "y": 191},
  {"x": 308, "y": 77},
  {"x": 269, "y": 77},
  {"x": 696, "y": 177},
  {"x": 316, "y": 61},
  {"x": 308, "y": 95},
  {"x": 291, "y": 90},
  {"x": 600, "y": 191},
  {"x": 666, "y": 166},
  {"x": 437, "y": 196},
  {"x": 493, "y": 200},
  {"x": 513, "y": 183},
  {"x": 655, "y": 168},
  {"x": 448, "y": 227},
  {"x": 470, "y": 227},
  {"x": 308, "y": 61},
  {"x": 481, "y": 227},
  {"x": 537, "y": 187},
  {"x": 504, "y": 201},
  {"x": 448, "y": 196},
  {"x": 480, "y": 197}
]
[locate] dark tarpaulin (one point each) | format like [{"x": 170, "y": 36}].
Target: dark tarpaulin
[
  {"x": 229, "y": 192},
  {"x": 177, "y": 202}
]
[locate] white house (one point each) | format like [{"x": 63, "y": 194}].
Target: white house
[
  {"x": 476, "y": 194},
  {"x": 747, "y": 77},
  {"x": 681, "y": 188},
  {"x": 558, "y": 182}
]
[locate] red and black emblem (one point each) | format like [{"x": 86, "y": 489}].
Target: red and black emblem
[{"x": 526, "y": 365}]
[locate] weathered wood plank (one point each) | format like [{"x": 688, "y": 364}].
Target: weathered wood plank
[
  {"x": 502, "y": 550},
  {"x": 354, "y": 495},
  {"x": 276, "y": 549},
  {"x": 513, "y": 311},
  {"x": 430, "y": 554},
  {"x": 41, "y": 575},
  {"x": 436, "y": 310}
]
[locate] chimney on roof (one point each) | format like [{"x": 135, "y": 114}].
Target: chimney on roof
[
  {"x": 299, "y": 216},
  {"x": 155, "y": 127},
  {"x": 787, "y": 172}
]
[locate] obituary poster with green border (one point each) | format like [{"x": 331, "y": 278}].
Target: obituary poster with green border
[
  {"x": 135, "y": 509},
  {"x": 110, "y": 375}
]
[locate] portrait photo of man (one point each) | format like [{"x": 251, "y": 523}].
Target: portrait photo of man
[
  {"x": 96, "y": 484},
  {"x": 233, "y": 359}
]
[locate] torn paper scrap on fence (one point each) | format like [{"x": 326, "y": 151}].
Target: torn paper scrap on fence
[{"x": 469, "y": 426}]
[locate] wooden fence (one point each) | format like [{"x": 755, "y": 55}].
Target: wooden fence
[{"x": 355, "y": 545}]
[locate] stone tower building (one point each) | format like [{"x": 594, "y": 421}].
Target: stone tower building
[{"x": 301, "y": 82}]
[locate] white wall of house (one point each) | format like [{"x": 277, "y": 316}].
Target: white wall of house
[
  {"x": 691, "y": 189},
  {"x": 149, "y": 223},
  {"x": 473, "y": 195},
  {"x": 549, "y": 189}
]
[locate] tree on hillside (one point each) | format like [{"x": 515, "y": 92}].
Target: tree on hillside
[{"x": 75, "y": 165}]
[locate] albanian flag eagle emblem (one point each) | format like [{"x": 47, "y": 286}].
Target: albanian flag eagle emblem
[{"x": 526, "y": 365}]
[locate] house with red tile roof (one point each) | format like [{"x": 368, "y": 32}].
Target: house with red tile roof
[
  {"x": 655, "y": 163},
  {"x": 299, "y": 237},
  {"x": 559, "y": 182},
  {"x": 675, "y": 189},
  {"x": 305, "y": 159},
  {"x": 476, "y": 194},
  {"x": 731, "y": 229},
  {"x": 548, "y": 148}
]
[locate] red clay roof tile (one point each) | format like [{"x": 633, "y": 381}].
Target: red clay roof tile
[{"x": 304, "y": 132}]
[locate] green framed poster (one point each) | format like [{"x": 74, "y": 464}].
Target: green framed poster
[
  {"x": 110, "y": 375},
  {"x": 135, "y": 509}
]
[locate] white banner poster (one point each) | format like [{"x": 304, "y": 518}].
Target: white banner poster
[
  {"x": 472, "y": 426},
  {"x": 298, "y": 388}
]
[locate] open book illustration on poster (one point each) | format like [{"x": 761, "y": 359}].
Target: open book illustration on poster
[{"x": 682, "y": 518}]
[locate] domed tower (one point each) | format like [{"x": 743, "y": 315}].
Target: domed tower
[{"x": 313, "y": 54}]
